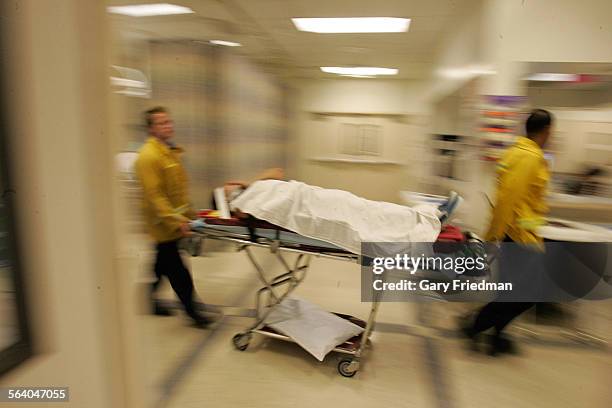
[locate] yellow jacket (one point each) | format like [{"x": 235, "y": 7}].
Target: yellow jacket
[
  {"x": 165, "y": 192},
  {"x": 522, "y": 180}
]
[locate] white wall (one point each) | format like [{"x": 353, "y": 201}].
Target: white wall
[
  {"x": 363, "y": 96},
  {"x": 460, "y": 50},
  {"x": 575, "y": 127},
  {"x": 552, "y": 30},
  {"x": 315, "y": 137},
  {"x": 517, "y": 31},
  {"x": 503, "y": 35},
  {"x": 61, "y": 151}
]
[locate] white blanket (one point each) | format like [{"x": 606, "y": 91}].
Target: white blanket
[{"x": 337, "y": 216}]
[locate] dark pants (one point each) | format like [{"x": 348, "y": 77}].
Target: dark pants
[
  {"x": 168, "y": 262},
  {"x": 499, "y": 314}
]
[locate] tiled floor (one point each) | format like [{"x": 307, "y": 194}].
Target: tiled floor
[{"x": 405, "y": 367}]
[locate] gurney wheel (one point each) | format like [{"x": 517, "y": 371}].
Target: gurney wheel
[
  {"x": 241, "y": 341},
  {"x": 348, "y": 368}
]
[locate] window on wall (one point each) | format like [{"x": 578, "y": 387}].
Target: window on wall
[{"x": 361, "y": 139}]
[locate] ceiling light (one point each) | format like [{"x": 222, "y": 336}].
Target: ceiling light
[
  {"x": 553, "y": 77},
  {"x": 360, "y": 70},
  {"x": 358, "y": 76},
  {"x": 147, "y": 10},
  {"x": 352, "y": 25},
  {"x": 225, "y": 43}
]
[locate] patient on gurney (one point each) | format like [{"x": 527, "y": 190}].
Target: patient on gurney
[{"x": 334, "y": 216}]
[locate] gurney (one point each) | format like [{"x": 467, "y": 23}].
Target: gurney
[
  {"x": 252, "y": 233},
  {"x": 280, "y": 242}
]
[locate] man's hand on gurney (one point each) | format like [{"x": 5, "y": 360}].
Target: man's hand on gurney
[{"x": 186, "y": 229}]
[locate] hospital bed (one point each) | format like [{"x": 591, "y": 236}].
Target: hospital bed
[{"x": 281, "y": 243}]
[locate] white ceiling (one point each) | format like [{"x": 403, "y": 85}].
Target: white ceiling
[{"x": 264, "y": 28}]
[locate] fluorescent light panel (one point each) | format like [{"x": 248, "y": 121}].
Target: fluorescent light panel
[
  {"x": 147, "y": 10},
  {"x": 361, "y": 71},
  {"x": 225, "y": 43},
  {"x": 553, "y": 77},
  {"x": 358, "y": 76},
  {"x": 352, "y": 25}
]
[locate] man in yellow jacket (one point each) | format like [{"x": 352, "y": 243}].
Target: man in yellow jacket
[
  {"x": 522, "y": 180},
  {"x": 167, "y": 208},
  {"x": 519, "y": 208}
]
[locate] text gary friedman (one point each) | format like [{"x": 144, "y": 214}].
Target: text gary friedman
[{"x": 455, "y": 285}]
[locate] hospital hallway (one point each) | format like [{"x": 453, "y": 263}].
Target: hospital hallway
[
  {"x": 416, "y": 358},
  {"x": 305, "y": 203}
]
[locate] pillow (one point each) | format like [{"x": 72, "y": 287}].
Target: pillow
[{"x": 316, "y": 330}]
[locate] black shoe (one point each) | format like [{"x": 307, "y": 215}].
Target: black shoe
[
  {"x": 501, "y": 345},
  {"x": 468, "y": 333},
  {"x": 552, "y": 314},
  {"x": 160, "y": 310},
  {"x": 199, "y": 320}
]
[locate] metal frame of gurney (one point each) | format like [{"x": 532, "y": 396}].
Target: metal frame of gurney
[{"x": 260, "y": 234}]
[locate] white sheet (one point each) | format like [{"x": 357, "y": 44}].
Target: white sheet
[{"x": 338, "y": 216}]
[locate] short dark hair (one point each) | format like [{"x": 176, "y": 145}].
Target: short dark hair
[
  {"x": 538, "y": 120},
  {"x": 148, "y": 115}
]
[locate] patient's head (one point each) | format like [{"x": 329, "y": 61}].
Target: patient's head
[{"x": 232, "y": 189}]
